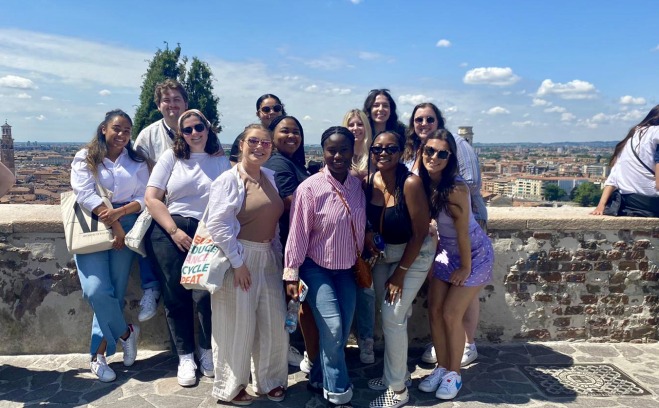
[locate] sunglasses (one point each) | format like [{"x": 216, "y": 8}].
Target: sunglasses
[
  {"x": 431, "y": 152},
  {"x": 253, "y": 142},
  {"x": 388, "y": 149},
  {"x": 275, "y": 108},
  {"x": 429, "y": 120},
  {"x": 199, "y": 127}
]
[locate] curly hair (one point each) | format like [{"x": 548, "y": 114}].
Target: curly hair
[
  {"x": 438, "y": 196},
  {"x": 182, "y": 148},
  {"x": 97, "y": 148}
]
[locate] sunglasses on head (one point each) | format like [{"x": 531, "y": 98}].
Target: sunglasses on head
[
  {"x": 431, "y": 152},
  {"x": 275, "y": 108},
  {"x": 253, "y": 142},
  {"x": 389, "y": 149},
  {"x": 199, "y": 127},
  {"x": 429, "y": 120}
]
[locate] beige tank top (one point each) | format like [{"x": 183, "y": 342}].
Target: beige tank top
[{"x": 261, "y": 209}]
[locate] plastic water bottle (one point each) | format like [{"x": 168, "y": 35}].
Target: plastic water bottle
[{"x": 291, "y": 315}]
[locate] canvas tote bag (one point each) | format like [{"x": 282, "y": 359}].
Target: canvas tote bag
[{"x": 85, "y": 233}]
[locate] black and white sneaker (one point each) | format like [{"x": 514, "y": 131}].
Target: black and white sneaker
[
  {"x": 391, "y": 399},
  {"x": 378, "y": 384}
]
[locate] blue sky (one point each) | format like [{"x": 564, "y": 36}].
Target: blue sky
[{"x": 517, "y": 71}]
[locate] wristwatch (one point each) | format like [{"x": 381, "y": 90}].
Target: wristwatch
[{"x": 173, "y": 230}]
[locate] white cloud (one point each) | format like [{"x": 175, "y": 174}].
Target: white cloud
[
  {"x": 490, "y": 76},
  {"x": 46, "y": 98},
  {"x": 540, "y": 102},
  {"x": 464, "y": 64},
  {"x": 311, "y": 88},
  {"x": 39, "y": 118},
  {"x": 325, "y": 63},
  {"x": 656, "y": 48},
  {"x": 567, "y": 117},
  {"x": 575, "y": 89},
  {"x": 306, "y": 117},
  {"x": 105, "y": 92},
  {"x": 339, "y": 91},
  {"x": 526, "y": 123},
  {"x": 497, "y": 110},
  {"x": 556, "y": 109},
  {"x": 24, "y": 95},
  {"x": 633, "y": 115},
  {"x": 369, "y": 56},
  {"x": 630, "y": 100},
  {"x": 413, "y": 99},
  {"x": 450, "y": 109},
  {"x": 13, "y": 81},
  {"x": 355, "y": 1},
  {"x": 600, "y": 118},
  {"x": 443, "y": 43},
  {"x": 406, "y": 116}
]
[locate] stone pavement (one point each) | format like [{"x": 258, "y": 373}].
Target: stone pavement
[{"x": 501, "y": 375}]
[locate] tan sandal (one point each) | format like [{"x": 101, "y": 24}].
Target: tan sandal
[{"x": 242, "y": 399}]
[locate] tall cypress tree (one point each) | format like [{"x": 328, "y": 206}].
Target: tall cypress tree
[{"x": 199, "y": 84}]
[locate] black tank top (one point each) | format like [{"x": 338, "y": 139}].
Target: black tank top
[{"x": 397, "y": 223}]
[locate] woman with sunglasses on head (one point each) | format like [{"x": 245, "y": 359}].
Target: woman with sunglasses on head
[
  {"x": 184, "y": 173},
  {"x": 397, "y": 210},
  {"x": 109, "y": 160},
  {"x": 425, "y": 119},
  {"x": 327, "y": 225},
  {"x": 243, "y": 215},
  {"x": 463, "y": 264},
  {"x": 357, "y": 122},
  {"x": 288, "y": 163},
  {"x": 268, "y": 107},
  {"x": 380, "y": 108}
]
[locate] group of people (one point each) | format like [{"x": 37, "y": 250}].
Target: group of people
[{"x": 414, "y": 188}]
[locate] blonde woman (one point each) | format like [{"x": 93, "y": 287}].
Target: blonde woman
[{"x": 357, "y": 122}]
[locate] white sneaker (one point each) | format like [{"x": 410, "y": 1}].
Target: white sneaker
[
  {"x": 429, "y": 355},
  {"x": 294, "y": 356},
  {"x": 431, "y": 382},
  {"x": 148, "y": 304},
  {"x": 366, "y": 354},
  {"x": 450, "y": 386},
  {"x": 102, "y": 370},
  {"x": 470, "y": 354},
  {"x": 306, "y": 364},
  {"x": 187, "y": 370},
  {"x": 130, "y": 345},
  {"x": 390, "y": 399},
  {"x": 207, "y": 367},
  {"x": 378, "y": 384}
]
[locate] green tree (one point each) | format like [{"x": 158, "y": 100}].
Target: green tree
[
  {"x": 586, "y": 194},
  {"x": 165, "y": 64},
  {"x": 553, "y": 192},
  {"x": 199, "y": 84}
]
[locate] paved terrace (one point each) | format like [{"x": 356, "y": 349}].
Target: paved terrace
[{"x": 542, "y": 375}]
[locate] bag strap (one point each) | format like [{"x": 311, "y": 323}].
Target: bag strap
[
  {"x": 639, "y": 159},
  {"x": 352, "y": 224},
  {"x": 384, "y": 208}
]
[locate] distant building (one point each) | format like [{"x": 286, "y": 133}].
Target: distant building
[
  {"x": 596, "y": 170},
  {"x": 7, "y": 148},
  {"x": 467, "y": 133}
]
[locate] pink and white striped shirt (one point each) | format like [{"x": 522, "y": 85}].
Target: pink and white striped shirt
[{"x": 320, "y": 224}]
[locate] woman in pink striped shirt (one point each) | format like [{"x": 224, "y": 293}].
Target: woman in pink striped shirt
[{"x": 327, "y": 218}]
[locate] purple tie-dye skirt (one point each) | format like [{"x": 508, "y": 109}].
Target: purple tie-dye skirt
[{"x": 482, "y": 258}]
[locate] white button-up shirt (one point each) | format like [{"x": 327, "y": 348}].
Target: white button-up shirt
[{"x": 124, "y": 179}]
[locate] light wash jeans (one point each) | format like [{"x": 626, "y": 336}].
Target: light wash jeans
[
  {"x": 365, "y": 312},
  {"x": 331, "y": 297},
  {"x": 104, "y": 277},
  {"x": 394, "y": 317}
]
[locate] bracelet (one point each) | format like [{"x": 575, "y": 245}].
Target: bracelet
[
  {"x": 403, "y": 268},
  {"x": 173, "y": 230}
]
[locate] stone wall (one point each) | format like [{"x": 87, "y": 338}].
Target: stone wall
[{"x": 560, "y": 274}]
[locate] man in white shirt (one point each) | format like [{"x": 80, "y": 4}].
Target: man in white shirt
[{"x": 172, "y": 100}]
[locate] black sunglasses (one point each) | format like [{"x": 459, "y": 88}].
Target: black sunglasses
[
  {"x": 199, "y": 127},
  {"x": 429, "y": 120},
  {"x": 276, "y": 108},
  {"x": 431, "y": 152},
  {"x": 389, "y": 149}
]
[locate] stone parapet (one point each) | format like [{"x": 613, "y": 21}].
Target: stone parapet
[{"x": 560, "y": 274}]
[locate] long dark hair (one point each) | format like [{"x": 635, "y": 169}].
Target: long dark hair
[
  {"x": 651, "y": 119},
  {"x": 298, "y": 155},
  {"x": 438, "y": 196},
  {"x": 413, "y": 141},
  {"x": 266, "y": 96},
  {"x": 392, "y": 122},
  {"x": 182, "y": 148},
  {"x": 402, "y": 172},
  {"x": 97, "y": 148}
]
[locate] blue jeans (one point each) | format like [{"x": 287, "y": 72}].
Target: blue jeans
[
  {"x": 331, "y": 297},
  {"x": 148, "y": 277},
  {"x": 365, "y": 312},
  {"x": 104, "y": 277}
]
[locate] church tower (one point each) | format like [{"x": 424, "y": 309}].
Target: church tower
[
  {"x": 7, "y": 148},
  {"x": 467, "y": 133}
]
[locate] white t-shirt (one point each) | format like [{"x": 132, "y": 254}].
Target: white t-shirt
[
  {"x": 628, "y": 174},
  {"x": 187, "y": 182}
]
